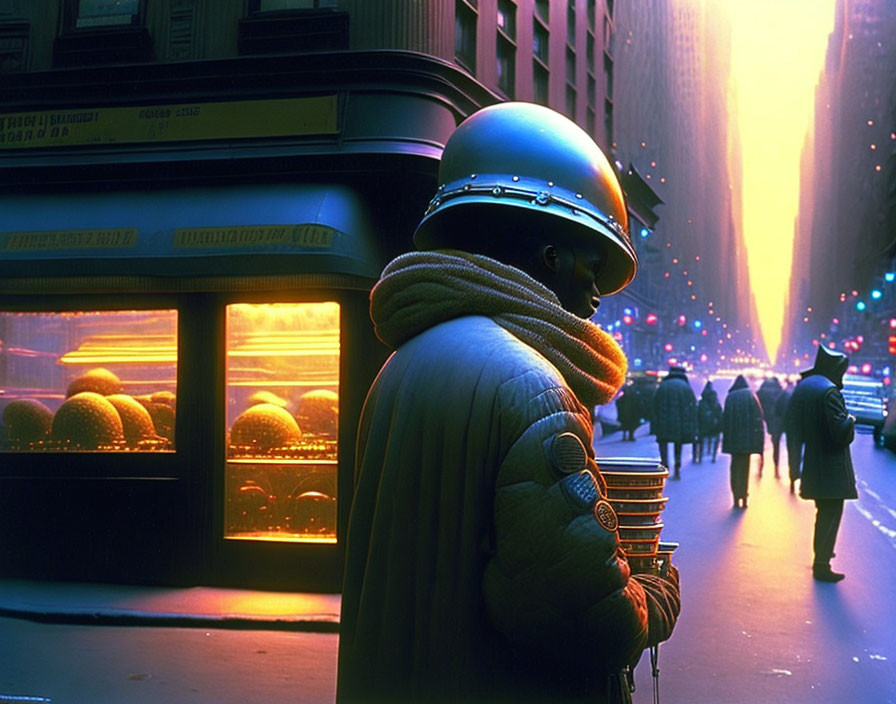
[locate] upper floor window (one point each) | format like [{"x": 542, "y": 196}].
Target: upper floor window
[
  {"x": 507, "y": 18},
  {"x": 465, "y": 17},
  {"x": 540, "y": 42},
  {"x": 256, "y": 6},
  {"x": 571, "y": 22},
  {"x": 97, "y": 32},
  {"x": 80, "y": 14}
]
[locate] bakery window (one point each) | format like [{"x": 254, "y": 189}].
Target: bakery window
[
  {"x": 282, "y": 418},
  {"x": 88, "y": 381}
]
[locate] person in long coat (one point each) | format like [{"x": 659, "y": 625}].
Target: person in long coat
[
  {"x": 674, "y": 416},
  {"x": 769, "y": 391},
  {"x": 483, "y": 562},
  {"x": 628, "y": 411},
  {"x": 742, "y": 435},
  {"x": 781, "y": 406},
  {"x": 819, "y": 433},
  {"x": 709, "y": 423}
]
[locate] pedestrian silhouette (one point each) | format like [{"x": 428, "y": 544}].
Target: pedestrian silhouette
[
  {"x": 769, "y": 392},
  {"x": 674, "y": 417},
  {"x": 742, "y": 435},
  {"x": 819, "y": 433},
  {"x": 628, "y": 411},
  {"x": 709, "y": 423}
]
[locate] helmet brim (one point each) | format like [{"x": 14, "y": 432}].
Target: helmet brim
[{"x": 443, "y": 228}]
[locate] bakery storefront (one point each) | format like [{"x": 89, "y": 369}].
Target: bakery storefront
[{"x": 184, "y": 335}]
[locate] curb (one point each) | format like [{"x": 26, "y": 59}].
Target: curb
[{"x": 321, "y": 623}]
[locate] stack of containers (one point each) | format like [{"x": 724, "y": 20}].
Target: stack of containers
[{"x": 635, "y": 490}]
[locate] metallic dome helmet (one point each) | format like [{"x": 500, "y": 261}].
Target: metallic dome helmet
[{"x": 522, "y": 155}]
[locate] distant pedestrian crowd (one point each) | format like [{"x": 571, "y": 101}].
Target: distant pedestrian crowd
[{"x": 811, "y": 415}]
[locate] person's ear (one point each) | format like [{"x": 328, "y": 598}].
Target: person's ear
[{"x": 550, "y": 257}]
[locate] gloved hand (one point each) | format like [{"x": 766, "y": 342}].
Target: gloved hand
[{"x": 663, "y": 603}]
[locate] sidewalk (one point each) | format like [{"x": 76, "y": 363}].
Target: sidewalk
[{"x": 191, "y": 607}]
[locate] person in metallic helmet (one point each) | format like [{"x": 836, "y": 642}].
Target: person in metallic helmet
[
  {"x": 482, "y": 558},
  {"x": 819, "y": 432}
]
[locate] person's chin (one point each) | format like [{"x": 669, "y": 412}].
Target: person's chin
[{"x": 586, "y": 310}]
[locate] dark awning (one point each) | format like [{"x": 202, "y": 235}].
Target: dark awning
[{"x": 232, "y": 231}]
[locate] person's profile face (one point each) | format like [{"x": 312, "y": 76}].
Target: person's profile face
[{"x": 577, "y": 269}]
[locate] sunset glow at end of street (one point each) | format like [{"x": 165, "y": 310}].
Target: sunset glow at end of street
[{"x": 778, "y": 51}]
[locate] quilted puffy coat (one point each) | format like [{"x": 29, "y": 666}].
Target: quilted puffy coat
[
  {"x": 743, "y": 431},
  {"x": 473, "y": 572},
  {"x": 674, "y": 417}
]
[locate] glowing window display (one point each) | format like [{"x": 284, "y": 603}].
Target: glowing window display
[
  {"x": 88, "y": 381},
  {"x": 282, "y": 421}
]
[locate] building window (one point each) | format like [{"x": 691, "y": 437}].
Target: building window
[
  {"x": 540, "y": 42},
  {"x": 608, "y": 74},
  {"x": 88, "y": 381},
  {"x": 282, "y": 422},
  {"x": 542, "y": 10},
  {"x": 592, "y": 7},
  {"x": 608, "y": 119},
  {"x": 571, "y": 22},
  {"x": 571, "y": 102},
  {"x": 540, "y": 77},
  {"x": 292, "y": 27},
  {"x": 97, "y": 32},
  {"x": 506, "y": 64},
  {"x": 14, "y": 46},
  {"x": 506, "y": 47},
  {"x": 570, "y": 66},
  {"x": 507, "y": 19},
  {"x": 257, "y": 6},
  {"x": 465, "y": 17},
  {"x": 82, "y": 14}
]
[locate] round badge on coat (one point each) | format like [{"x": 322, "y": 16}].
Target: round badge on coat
[{"x": 605, "y": 515}]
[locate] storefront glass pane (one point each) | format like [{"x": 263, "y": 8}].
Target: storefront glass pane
[
  {"x": 282, "y": 422},
  {"x": 91, "y": 381}
]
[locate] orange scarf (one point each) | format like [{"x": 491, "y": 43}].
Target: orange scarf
[{"x": 419, "y": 290}]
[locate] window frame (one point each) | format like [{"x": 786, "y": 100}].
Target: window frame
[{"x": 70, "y": 16}]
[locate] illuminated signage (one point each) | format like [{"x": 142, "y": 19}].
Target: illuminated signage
[
  {"x": 287, "y": 117},
  {"x": 307, "y": 235},
  {"x": 69, "y": 239}
]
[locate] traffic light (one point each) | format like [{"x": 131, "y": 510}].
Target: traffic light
[{"x": 892, "y": 344}]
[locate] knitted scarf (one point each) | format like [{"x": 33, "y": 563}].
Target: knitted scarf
[{"x": 422, "y": 289}]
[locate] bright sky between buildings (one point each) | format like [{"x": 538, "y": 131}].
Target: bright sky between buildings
[{"x": 778, "y": 49}]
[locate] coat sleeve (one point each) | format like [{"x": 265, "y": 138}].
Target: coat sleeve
[
  {"x": 557, "y": 581},
  {"x": 840, "y": 424}
]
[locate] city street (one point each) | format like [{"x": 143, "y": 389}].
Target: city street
[{"x": 755, "y": 628}]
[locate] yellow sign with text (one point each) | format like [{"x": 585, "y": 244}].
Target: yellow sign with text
[
  {"x": 286, "y": 117},
  {"x": 305, "y": 235}
]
